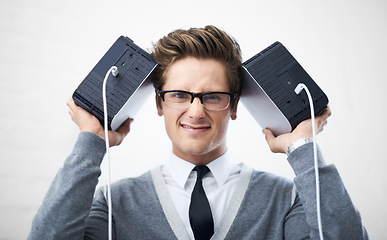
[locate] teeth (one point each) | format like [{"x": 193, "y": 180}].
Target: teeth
[{"x": 190, "y": 127}]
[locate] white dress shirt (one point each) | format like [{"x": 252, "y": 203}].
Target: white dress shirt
[{"x": 219, "y": 185}]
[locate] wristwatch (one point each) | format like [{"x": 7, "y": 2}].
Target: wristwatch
[{"x": 298, "y": 144}]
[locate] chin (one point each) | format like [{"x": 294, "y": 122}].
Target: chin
[
  {"x": 195, "y": 151},
  {"x": 203, "y": 152}
]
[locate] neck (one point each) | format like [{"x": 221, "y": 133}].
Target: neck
[{"x": 200, "y": 159}]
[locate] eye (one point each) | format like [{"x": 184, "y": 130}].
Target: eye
[
  {"x": 214, "y": 98},
  {"x": 179, "y": 95}
]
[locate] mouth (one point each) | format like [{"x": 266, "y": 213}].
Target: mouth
[{"x": 195, "y": 128}]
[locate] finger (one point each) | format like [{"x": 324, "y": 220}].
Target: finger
[
  {"x": 71, "y": 103},
  {"x": 323, "y": 124},
  {"x": 321, "y": 120},
  {"x": 118, "y": 136},
  {"x": 329, "y": 112},
  {"x": 124, "y": 129},
  {"x": 71, "y": 113},
  {"x": 73, "y": 109},
  {"x": 326, "y": 113},
  {"x": 269, "y": 136}
]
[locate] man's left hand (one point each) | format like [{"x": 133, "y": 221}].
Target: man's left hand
[{"x": 281, "y": 143}]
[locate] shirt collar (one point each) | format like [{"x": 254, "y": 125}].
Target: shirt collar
[{"x": 180, "y": 169}]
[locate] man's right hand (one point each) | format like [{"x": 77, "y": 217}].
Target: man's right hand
[{"x": 89, "y": 123}]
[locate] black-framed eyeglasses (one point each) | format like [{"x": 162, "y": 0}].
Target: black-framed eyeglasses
[{"x": 180, "y": 100}]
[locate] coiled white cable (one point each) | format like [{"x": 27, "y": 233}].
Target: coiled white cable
[
  {"x": 114, "y": 72},
  {"x": 297, "y": 90}
]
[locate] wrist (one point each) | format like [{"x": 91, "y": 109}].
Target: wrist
[
  {"x": 298, "y": 143},
  {"x": 98, "y": 132}
]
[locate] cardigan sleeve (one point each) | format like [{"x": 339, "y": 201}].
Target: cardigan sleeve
[
  {"x": 67, "y": 203},
  {"x": 340, "y": 218}
]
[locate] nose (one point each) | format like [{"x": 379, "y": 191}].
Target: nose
[{"x": 196, "y": 109}]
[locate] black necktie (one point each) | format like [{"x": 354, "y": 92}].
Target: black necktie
[{"x": 200, "y": 215}]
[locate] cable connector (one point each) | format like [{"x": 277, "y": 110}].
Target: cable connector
[
  {"x": 114, "y": 70},
  {"x": 299, "y": 88}
]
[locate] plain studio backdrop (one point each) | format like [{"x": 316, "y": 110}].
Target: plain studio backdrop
[{"x": 48, "y": 47}]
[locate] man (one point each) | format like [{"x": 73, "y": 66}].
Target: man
[{"x": 197, "y": 92}]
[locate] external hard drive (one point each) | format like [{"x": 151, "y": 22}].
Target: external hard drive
[
  {"x": 268, "y": 83},
  {"x": 126, "y": 92}
]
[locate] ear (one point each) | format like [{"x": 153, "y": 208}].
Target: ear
[
  {"x": 234, "y": 108},
  {"x": 160, "y": 111}
]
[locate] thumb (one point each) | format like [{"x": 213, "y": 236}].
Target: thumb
[
  {"x": 276, "y": 144},
  {"x": 269, "y": 136},
  {"x": 116, "y": 137}
]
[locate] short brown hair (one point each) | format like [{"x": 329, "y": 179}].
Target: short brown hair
[{"x": 207, "y": 42}]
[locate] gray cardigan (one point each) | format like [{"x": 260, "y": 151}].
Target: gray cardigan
[{"x": 263, "y": 206}]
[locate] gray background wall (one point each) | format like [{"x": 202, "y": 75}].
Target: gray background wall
[{"x": 48, "y": 47}]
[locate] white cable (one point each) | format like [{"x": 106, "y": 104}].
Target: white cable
[
  {"x": 114, "y": 72},
  {"x": 298, "y": 89}
]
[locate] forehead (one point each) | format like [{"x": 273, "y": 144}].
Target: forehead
[{"x": 196, "y": 75}]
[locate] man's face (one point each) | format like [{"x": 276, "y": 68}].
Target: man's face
[{"x": 198, "y": 135}]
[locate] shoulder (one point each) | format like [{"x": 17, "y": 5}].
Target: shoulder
[
  {"x": 139, "y": 182},
  {"x": 265, "y": 182},
  {"x": 269, "y": 178},
  {"x": 133, "y": 189}
]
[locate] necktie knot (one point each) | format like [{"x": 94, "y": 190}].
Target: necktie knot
[{"x": 201, "y": 171}]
